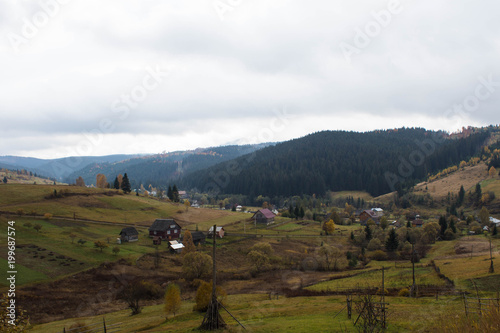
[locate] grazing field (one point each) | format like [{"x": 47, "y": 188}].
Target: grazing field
[
  {"x": 468, "y": 177},
  {"x": 289, "y": 289},
  {"x": 260, "y": 314}
]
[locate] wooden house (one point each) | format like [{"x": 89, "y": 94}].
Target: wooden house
[
  {"x": 219, "y": 232},
  {"x": 129, "y": 234},
  {"x": 165, "y": 229},
  {"x": 417, "y": 223},
  {"x": 367, "y": 215},
  {"x": 198, "y": 237},
  {"x": 263, "y": 216}
]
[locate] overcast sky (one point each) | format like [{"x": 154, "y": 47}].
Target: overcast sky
[{"x": 85, "y": 77}]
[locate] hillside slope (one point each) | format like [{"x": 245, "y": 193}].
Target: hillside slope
[{"x": 338, "y": 161}]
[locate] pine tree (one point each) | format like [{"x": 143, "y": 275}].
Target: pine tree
[
  {"x": 5, "y": 179},
  {"x": 126, "y": 184},
  {"x": 175, "y": 194},
  {"x": 461, "y": 196},
  {"x": 170, "y": 194},
  {"x": 116, "y": 184},
  {"x": 368, "y": 232},
  {"x": 443, "y": 224},
  {"x": 392, "y": 242},
  {"x": 478, "y": 193}
]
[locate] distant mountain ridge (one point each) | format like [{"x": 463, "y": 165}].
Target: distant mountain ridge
[
  {"x": 162, "y": 169},
  {"x": 58, "y": 168}
]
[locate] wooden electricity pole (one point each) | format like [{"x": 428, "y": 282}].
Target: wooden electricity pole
[
  {"x": 492, "y": 270},
  {"x": 213, "y": 320}
]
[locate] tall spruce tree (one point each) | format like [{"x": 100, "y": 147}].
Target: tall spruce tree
[
  {"x": 368, "y": 233},
  {"x": 461, "y": 196},
  {"x": 392, "y": 242},
  {"x": 478, "y": 193},
  {"x": 116, "y": 184},
  {"x": 175, "y": 194},
  {"x": 126, "y": 184},
  {"x": 170, "y": 194},
  {"x": 443, "y": 224}
]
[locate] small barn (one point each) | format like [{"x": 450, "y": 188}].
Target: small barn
[
  {"x": 129, "y": 234},
  {"x": 165, "y": 229},
  {"x": 263, "y": 216},
  {"x": 198, "y": 237},
  {"x": 219, "y": 232},
  {"x": 156, "y": 240},
  {"x": 175, "y": 246}
]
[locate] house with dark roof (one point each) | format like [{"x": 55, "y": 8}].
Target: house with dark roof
[
  {"x": 165, "y": 229},
  {"x": 129, "y": 234},
  {"x": 264, "y": 216},
  {"x": 417, "y": 223},
  {"x": 198, "y": 237}
]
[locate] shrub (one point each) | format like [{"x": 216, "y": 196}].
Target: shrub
[
  {"x": 374, "y": 244},
  {"x": 79, "y": 327},
  {"x": 47, "y": 216},
  {"x": 378, "y": 255},
  {"x": 264, "y": 248},
  {"x": 204, "y": 295},
  {"x": 404, "y": 292}
]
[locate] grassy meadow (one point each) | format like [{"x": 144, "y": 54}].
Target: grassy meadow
[{"x": 50, "y": 257}]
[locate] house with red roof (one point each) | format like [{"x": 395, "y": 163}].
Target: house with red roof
[{"x": 264, "y": 216}]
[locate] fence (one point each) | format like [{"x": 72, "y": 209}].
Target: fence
[
  {"x": 475, "y": 305},
  {"x": 94, "y": 328}
]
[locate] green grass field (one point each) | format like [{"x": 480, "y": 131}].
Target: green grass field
[
  {"x": 37, "y": 253},
  {"x": 259, "y": 314}
]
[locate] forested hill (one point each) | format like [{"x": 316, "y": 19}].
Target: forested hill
[
  {"x": 337, "y": 161},
  {"x": 163, "y": 169}
]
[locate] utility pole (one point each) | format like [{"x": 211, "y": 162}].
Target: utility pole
[
  {"x": 413, "y": 268},
  {"x": 492, "y": 270}
]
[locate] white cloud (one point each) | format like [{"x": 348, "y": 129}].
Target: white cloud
[{"x": 226, "y": 77}]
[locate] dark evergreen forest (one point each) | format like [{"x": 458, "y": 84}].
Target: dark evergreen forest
[{"x": 337, "y": 161}]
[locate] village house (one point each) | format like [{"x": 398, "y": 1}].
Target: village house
[
  {"x": 495, "y": 221},
  {"x": 373, "y": 214},
  {"x": 165, "y": 229},
  {"x": 129, "y": 234},
  {"x": 219, "y": 232},
  {"x": 264, "y": 216},
  {"x": 417, "y": 223},
  {"x": 198, "y": 237},
  {"x": 367, "y": 215}
]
